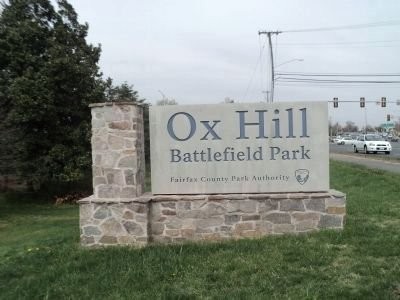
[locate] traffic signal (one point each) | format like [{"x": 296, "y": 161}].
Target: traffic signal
[
  {"x": 335, "y": 102},
  {"x": 362, "y": 102},
  {"x": 383, "y": 102},
  {"x": 388, "y": 118}
]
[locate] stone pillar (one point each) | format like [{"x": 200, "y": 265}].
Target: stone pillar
[
  {"x": 114, "y": 214},
  {"x": 117, "y": 150}
]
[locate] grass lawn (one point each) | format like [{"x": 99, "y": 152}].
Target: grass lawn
[{"x": 40, "y": 257}]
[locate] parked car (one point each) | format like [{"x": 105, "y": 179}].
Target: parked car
[
  {"x": 347, "y": 140},
  {"x": 336, "y": 139},
  {"x": 371, "y": 143}
]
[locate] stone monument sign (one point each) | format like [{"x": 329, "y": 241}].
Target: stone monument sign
[
  {"x": 239, "y": 148},
  {"x": 218, "y": 172}
]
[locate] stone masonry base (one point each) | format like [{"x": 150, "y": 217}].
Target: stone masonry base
[{"x": 178, "y": 218}]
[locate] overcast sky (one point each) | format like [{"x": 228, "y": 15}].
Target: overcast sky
[{"x": 202, "y": 51}]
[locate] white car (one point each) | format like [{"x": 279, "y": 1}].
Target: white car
[
  {"x": 347, "y": 140},
  {"x": 371, "y": 143}
]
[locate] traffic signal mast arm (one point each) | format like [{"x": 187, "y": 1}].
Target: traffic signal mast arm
[{"x": 362, "y": 101}]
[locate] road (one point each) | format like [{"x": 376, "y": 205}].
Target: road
[
  {"x": 346, "y": 149},
  {"x": 374, "y": 161}
]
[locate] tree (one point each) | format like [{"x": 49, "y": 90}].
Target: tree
[
  {"x": 126, "y": 93},
  {"x": 228, "y": 100},
  {"x": 48, "y": 76},
  {"x": 166, "y": 101},
  {"x": 123, "y": 92},
  {"x": 334, "y": 129},
  {"x": 350, "y": 127},
  {"x": 397, "y": 125},
  {"x": 368, "y": 128}
]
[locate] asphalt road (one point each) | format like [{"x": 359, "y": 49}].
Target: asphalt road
[
  {"x": 345, "y": 153},
  {"x": 333, "y": 148}
]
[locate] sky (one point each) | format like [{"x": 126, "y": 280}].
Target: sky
[{"x": 203, "y": 51}]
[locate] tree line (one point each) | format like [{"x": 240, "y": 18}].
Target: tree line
[
  {"x": 49, "y": 74},
  {"x": 350, "y": 126}
]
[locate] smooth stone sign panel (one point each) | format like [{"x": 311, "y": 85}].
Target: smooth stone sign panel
[{"x": 239, "y": 148}]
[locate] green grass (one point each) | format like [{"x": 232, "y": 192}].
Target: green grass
[{"x": 40, "y": 257}]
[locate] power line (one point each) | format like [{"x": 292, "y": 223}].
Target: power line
[
  {"x": 343, "y": 46},
  {"x": 261, "y": 61},
  {"x": 338, "y": 74},
  {"x": 330, "y": 86},
  {"x": 340, "y": 43},
  {"x": 348, "y": 27},
  {"x": 255, "y": 70},
  {"x": 294, "y": 79}
]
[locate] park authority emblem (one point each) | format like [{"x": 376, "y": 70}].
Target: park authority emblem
[{"x": 302, "y": 175}]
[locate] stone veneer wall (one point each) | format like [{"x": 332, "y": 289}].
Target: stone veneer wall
[{"x": 166, "y": 219}]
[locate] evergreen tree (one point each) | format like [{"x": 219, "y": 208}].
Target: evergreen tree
[
  {"x": 123, "y": 92},
  {"x": 48, "y": 76}
]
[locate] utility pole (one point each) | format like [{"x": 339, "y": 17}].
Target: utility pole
[{"x": 269, "y": 33}]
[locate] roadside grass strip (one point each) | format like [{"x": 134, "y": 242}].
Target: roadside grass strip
[{"x": 40, "y": 256}]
